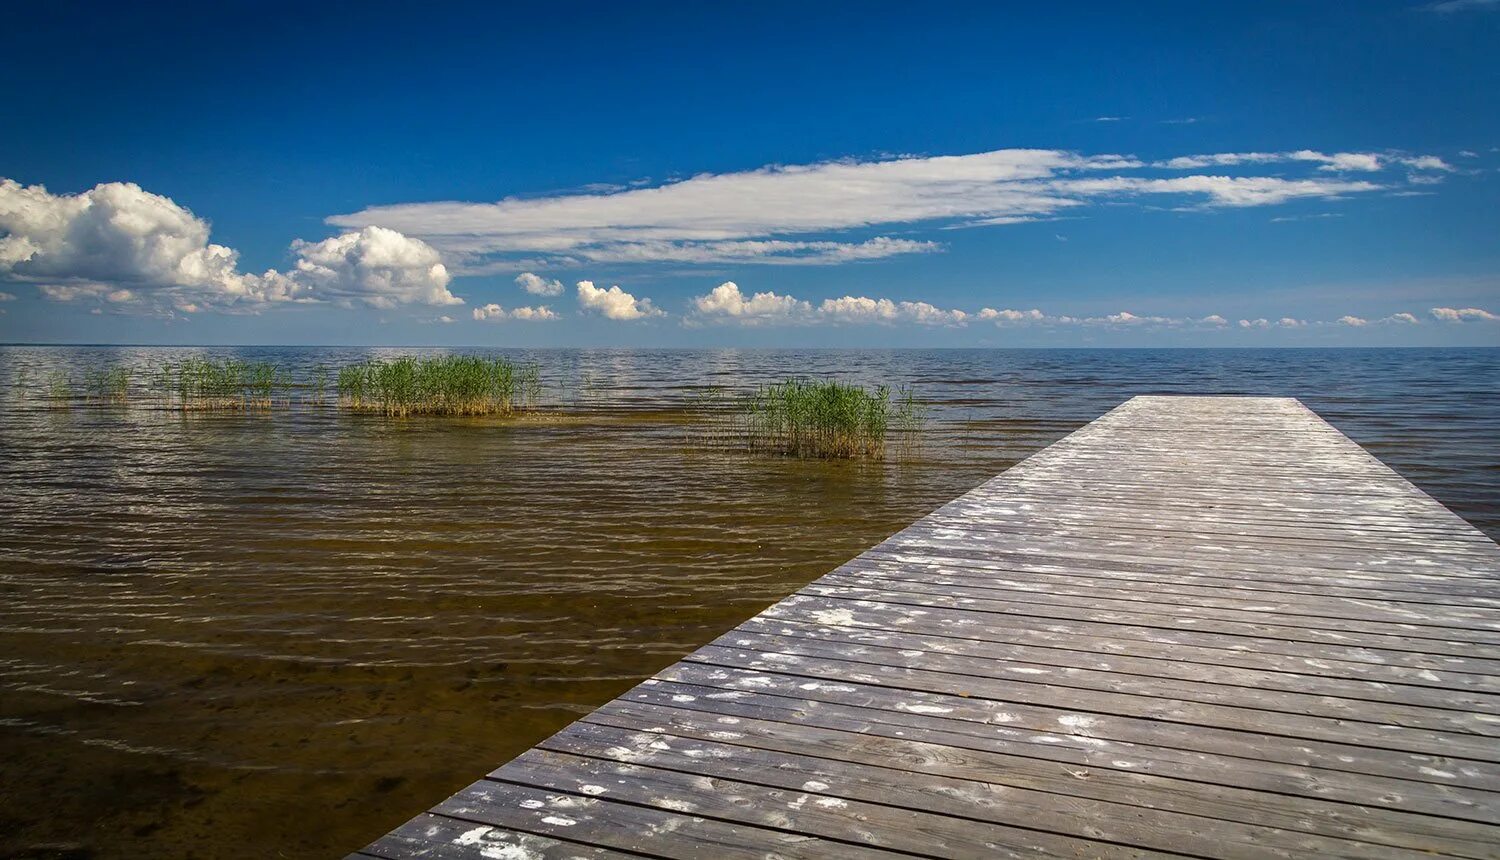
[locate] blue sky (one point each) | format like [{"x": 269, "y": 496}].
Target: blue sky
[{"x": 784, "y": 174}]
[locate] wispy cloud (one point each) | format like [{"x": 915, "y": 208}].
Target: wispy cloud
[
  {"x": 1368, "y": 162},
  {"x": 1447, "y": 7},
  {"x": 785, "y": 213},
  {"x": 754, "y": 251}
]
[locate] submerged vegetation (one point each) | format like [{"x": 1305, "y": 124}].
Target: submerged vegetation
[
  {"x": 440, "y": 385},
  {"x": 807, "y": 418}
]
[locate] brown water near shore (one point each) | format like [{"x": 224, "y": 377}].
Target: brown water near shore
[{"x": 281, "y": 634}]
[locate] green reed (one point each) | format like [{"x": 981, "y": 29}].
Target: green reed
[
  {"x": 440, "y": 385},
  {"x": 59, "y": 388},
  {"x": 107, "y": 384},
  {"x": 222, "y": 385},
  {"x": 805, "y": 418},
  {"x": 319, "y": 386}
]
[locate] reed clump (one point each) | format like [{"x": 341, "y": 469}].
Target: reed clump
[
  {"x": 440, "y": 385},
  {"x": 108, "y": 384},
  {"x": 59, "y": 389},
  {"x": 811, "y": 418},
  {"x": 219, "y": 385}
]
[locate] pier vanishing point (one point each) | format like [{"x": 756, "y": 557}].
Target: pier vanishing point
[{"x": 1196, "y": 627}]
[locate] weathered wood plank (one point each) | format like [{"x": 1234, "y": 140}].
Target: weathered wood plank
[
  {"x": 645, "y": 770},
  {"x": 1365, "y": 611},
  {"x": 1134, "y": 663},
  {"x": 1174, "y": 616},
  {"x": 1133, "y": 700},
  {"x": 1095, "y": 795},
  {"x": 1096, "y": 740},
  {"x": 1111, "y": 640},
  {"x": 1199, "y": 626}
]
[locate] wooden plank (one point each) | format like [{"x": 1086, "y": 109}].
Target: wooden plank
[
  {"x": 1190, "y": 648},
  {"x": 1367, "y": 612},
  {"x": 1198, "y": 626},
  {"x": 1094, "y": 796},
  {"x": 647, "y": 771},
  {"x": 1019, "y": 683},
  {"x": 654, "y": 831},
  {"x": 442, "y": 838},
  {"x": 1093, "y": 740},
  {"x": 1165, "y": 616},
  {"x": 1136, "y": 663},
  {"x": 1182, "y": 580}
]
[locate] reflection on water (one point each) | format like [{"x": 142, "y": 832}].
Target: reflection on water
[{"x": 214, "y": 625}]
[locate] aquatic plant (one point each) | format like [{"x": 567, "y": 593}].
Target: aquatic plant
[
  {"x": 59, "y": 388},
  {"x": 826, "y": 418},
  {"x": 108, "y": 384},
  {"x": 204, "y": 384},
  {"x": 440, "y": 385},
  {"x": 261, "y": 382},
  {"x": 319, "y": 386}
]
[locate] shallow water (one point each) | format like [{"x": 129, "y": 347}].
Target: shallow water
[{"x": 283, "y": 633}]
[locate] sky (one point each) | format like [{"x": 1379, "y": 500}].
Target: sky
[{"x": 772, "y": 174}]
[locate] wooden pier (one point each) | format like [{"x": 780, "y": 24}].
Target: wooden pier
[{"x": 1199, "y": 626}]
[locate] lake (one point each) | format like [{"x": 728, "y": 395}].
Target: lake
[{"x": 282, "y": 633}]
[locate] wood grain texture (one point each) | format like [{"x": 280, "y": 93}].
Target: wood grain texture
[{"x": 1197, "y": 627}]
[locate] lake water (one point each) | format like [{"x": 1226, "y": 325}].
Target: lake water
[{"x": 283, "y": 633}]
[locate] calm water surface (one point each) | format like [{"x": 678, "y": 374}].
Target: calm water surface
[{"x": 281, "y": 634}]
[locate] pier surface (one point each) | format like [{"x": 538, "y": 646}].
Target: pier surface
[{"x": 1199, "y": 626}]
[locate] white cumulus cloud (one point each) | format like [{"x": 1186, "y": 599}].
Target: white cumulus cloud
[
  {"x": 119, "y": 236},
  {"x": 727, "y": 302},
  {"x": 1010, "y": 316},
  {"x": 119, "y": 243},
  {"x": 495, "y": 312},
  {"x": 614, "y": 303},
  {"x": 539, "y": 286},
  {"x": 1353, "y": 321},
  {"x": 1463, "y": 315},
  {"x": 865, "y": 310},
  {"x": 379, "y": 267}
]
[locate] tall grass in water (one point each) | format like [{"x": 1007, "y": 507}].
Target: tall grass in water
[
  {"x": 59, "y": 389},
  {"x": 827, "y": 419},
  {"x": 108, "y": 384},
  {"x": 440, "y": 385},
  {"x": 203, "y": 384}
]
